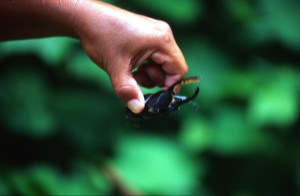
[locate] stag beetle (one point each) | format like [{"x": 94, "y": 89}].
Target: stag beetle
[{"x": 164, "y": 101}]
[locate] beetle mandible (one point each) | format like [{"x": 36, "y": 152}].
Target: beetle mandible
[{"x": 164, "y": 101}]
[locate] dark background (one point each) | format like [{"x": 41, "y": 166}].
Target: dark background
[{"x": 63, "y": 130}]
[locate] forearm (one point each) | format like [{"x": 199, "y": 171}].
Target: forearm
[{"x": 20, "y": 19}]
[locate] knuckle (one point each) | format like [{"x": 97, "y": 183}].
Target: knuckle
[
  {"x": 165, "y": 27},
  {"x": 121, "y": 90},
  {"x": 164, "y": 31},
  {"x": 125, "y": 91},
  {"x": 185, "y": 69}
]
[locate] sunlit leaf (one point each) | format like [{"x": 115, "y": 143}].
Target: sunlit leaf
[
  {"x": 196, "y": 134},
  {"x": 53, "y": 50},
  {"x": 276, "y": 101},
  {"x": 155, "y": 165},
  {"x": 233, "y": 135}
]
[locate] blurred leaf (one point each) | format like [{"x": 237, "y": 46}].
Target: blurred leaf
[
  {"x": 4, "y": 190},
  {"x": 206, "y": 61},
  {"x": 53, "y": 50},
  {"x": 45, "y": 180},
  {"x": 156, "y": 165},
  {"x": 181, "y": 12},
  {"x": 276, "y": 100},
  {"x": 283, "y": 18},
  {"x": 233, "y": 135},
  {"x": 240, "y": 84},
  {"x": 196, "y": 134},
  {"x": 276, "y": 19},
  {"x": 81, "y": 66},
  {"x": 24, "y": 103},
  {"x": 98, "y": 180},
  {"x": 242, "y": 10},
  {"x": 85, "y": 115}
]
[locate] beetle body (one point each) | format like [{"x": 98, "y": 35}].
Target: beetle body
[{"x": 163, "y": 102}]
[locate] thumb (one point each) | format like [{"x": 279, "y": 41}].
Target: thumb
[{"x": 127, "y": 89}]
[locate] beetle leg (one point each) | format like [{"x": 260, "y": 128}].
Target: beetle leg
[
  {"x": 194, "y": 104},
  {"x": 188, "y": 99},
  {"x": 180, "y": 97}
]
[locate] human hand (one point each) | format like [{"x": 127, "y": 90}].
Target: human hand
[
  {"x": 116, "y": 40},
  {"x": 119, "y": 41}
]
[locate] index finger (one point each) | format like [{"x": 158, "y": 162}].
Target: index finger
[{"x": 173, "y": 64}]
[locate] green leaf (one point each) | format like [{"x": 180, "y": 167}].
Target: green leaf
[
  {"x": 47, "y": 180},
  {"x": 52, "y": 50},
  {"x": 276, "y": 100},
  {"x": 232, "y": 134},
  {"x": 25, "y": 103},
  {"x": 156, "y": 165},
  {"x": 283, "y": 18},
  {"x": 181, "y": 12},
  {"x": 81, "y": 66},
  {"x": 196, "y": 134}
]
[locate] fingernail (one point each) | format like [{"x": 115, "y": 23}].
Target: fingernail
[{"x": 135, "y": 105}]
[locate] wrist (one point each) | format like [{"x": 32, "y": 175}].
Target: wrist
[
  {"x": 62, "y": 17},
  {"x": 36, "y": 19}
]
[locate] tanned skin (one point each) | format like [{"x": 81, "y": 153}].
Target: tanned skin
[{"x": 115, "y": 39}]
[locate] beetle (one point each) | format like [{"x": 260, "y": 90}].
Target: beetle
[{"x": 164, "y": 101}]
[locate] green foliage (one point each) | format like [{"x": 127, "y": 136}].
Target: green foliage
[
  {"x": 142, "y": 158},
  {"x": 276, "y": 102},
  {"x": 43, "y": 179},
  {"x": 181, "y": 12},
  {"x": 64, "y": 132}
]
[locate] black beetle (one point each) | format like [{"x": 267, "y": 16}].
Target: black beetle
[{"x": 164, "y": 101}]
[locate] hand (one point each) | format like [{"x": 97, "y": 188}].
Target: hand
[
  {"x": 115, "y": 39},
  {"x": 119, "y": 41}
]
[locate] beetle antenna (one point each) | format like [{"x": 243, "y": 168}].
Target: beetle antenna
[
  {"x": 184, "y": 81},
  {"x": 190, "y": 80}
]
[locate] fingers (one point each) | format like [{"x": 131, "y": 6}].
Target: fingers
[
  {"x": 164, "y": 67},
  {"x": 150, "y": 75},
  {"x": 130, "y": 43},
  {"x": 127, "y": 89},
  {"x": 172, "y": 64},
  {"x": 171, "y": 60},
  {"x": 169, "y": 56}
]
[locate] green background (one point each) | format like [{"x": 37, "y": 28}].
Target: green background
[{"x": 63, "y": 130}]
